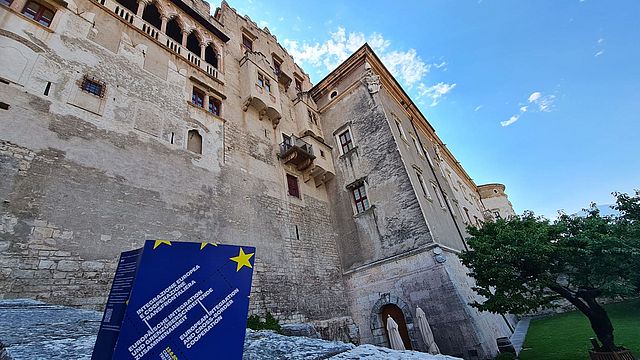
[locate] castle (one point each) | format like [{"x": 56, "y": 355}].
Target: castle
[{"x": 125, "y": 120}]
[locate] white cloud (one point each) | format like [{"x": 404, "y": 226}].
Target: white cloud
[
  {"x": 435, "y": 92},
  {"x": 511, "y": 120},
  {"x": 405, "y": 65},
  {"x": 599, "y": 53},
  {"x": 534, "y": 96},
  {"x": 478, "y": 107},
  {"x": 540, "y": 102}
]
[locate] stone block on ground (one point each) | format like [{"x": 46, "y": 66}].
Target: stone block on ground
[{"x": 306, "y": 330}]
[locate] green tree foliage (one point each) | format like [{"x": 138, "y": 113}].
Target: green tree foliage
[
  {"x": 523, "y": 263},
  {"x": 270, "y": 323}
]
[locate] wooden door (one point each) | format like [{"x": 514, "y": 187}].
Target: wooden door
[{"x": 398, "y": 317}]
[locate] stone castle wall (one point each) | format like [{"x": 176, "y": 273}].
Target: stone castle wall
[{"x": 83, "y": 181}]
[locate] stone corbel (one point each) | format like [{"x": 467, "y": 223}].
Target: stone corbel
[
  {"x": 370, "y": 79},
  {"x": 246, "y": 104}
]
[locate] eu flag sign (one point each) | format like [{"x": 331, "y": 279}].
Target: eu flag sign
[{"x": 177, "y": 301}]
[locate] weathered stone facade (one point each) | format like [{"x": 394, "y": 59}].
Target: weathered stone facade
[{"x": 115, "y": 128}]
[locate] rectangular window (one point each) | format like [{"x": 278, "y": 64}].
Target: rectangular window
[
  {"x": 92, "y": 87},
  {"x": 267, "y": 85},
  {"x": 247, "y": 42},
  {"x": 423, "y": 185},
  {"x": 277, "y": 66},
  {"x": 417, "y": 145},
  {"x": 346, "y": 144},
  {"x": 6, "y": 2},
  {"x": 466, "y": 212},
  {"x": 298, "y": 85},
  {"x": 214, "y": 105},
  {"x": 435, "y": 190},
  {"x": 360, "y": 199},
  {"x": 197, "y": 97},
  {"x": 292, "y": 186},
  {"x": 497, "y": 215},
  {"x": 261, "y": 80},
  {"x": 399, "y": 126},
  {"x": 38, "y": 12}
]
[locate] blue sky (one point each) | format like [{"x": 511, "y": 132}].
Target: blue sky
[{"x": 543, "y": 96}]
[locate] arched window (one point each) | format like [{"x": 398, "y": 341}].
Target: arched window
[
  {"x": 193, "y": 44},
  {"x": 131, "y": 5},
  {"x": 210, "y": 56},
  {"x": 194, "y": 141},
  {"x": 174, "y": 31},
  {"x": 152, "y": 15}
]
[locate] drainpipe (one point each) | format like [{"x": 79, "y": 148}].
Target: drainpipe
[{"x": 447, "y": 203}]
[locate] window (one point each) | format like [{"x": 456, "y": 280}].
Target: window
[
  {"x": 418, "y": 147},
  {"x": 298, "y": 85},
  {"x": 6, "y": 2},
  {"x": 292, "y": 186},
  {"x": 312, "y": 117},
  {"x": 446, "y": 198},
  {"x": 360, "y": 199},
  {"x": 440, "y": 200},
  {"x": 214, "y": 106},
  {"x": 333, "y": 94},
  {"x": 321, "y": 153},
  {"x": 267, "y": 85},
  {"x": 399, "y": 126},
  {"x": 92, "y": 87},
  {"x": 497, "y": 214},
  {"x": 261, "y": 80},
  {"x": 346, "y": 143},
  {"x": 423, "y": 185},
  {"x": 247, "y": 42},
  {"x": 197, "y": 97},
  {"x": 277, "y": 66},
  {"x": 194, "y": 141},
  {"x": 264, "y": 82},
  {"x": 466, "y": 212},
  {"x": 38, "y": 12}
]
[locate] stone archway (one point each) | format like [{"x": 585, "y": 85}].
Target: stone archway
[{"x": 377, "y": 324}]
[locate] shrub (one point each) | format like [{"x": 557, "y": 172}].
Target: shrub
[{"x": 254, "y": 322}]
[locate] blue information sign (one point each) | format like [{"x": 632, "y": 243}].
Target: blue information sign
[{"x": 188, "y": 301}]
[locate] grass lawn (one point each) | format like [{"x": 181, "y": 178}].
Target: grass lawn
[{"x": 566, "y": 336}]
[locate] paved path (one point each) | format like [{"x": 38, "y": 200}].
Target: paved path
[{"x": 517, "y": 339}]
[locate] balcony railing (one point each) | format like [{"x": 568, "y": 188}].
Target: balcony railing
[
  {"x": 160, "y": 37},
  {"x": 297, "y": 152}
]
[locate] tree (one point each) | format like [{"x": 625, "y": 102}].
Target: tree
[{"x": 524, "y": 263}]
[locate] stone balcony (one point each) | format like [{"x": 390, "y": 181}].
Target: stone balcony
[
  {"x": 259, "y": 87},
  {"x": 297, "y": 152}
]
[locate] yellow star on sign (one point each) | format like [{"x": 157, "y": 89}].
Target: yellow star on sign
[
  {"x": 242, "y": 260},
  {"x": 207, "y": 243},
  {"x": 160, "y": 242}
]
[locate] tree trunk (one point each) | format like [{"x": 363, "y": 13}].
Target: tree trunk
[
  {"x": 585, "y": 301},
  {"x": 601, "y": 325}
]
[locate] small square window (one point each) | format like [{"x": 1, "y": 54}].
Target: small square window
[
  {"x": 92, "y": 87},
  {"x": 197, "y": 97},
  {"x": 360, "y": 199},
  {"x": 292, "y": 186},
  {"x": 247, "y": 42},
  {"x": 346, "y": 143},
  {"x": 38, "y": 12},
  {"x": 214, "y": 106}
]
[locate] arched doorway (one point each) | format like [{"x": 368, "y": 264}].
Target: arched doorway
[{"x": 396, "y": 313}]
